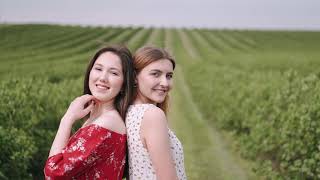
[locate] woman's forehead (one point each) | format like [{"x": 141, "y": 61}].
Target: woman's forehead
[
  {"x": 163, "y": 64},
  {"x": 109, "y": 59}
]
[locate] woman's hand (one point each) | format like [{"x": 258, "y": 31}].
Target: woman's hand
[{"x": 77, "y": 109}]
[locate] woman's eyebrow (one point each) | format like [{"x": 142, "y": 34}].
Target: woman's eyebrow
[
  {"x": 97, "y": 64},
  {"x": 157, "y": 70},
  {"x": 114, "y": 68}
]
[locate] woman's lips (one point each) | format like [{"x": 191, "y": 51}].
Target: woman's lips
[
  {"x": 161, "y": 91},
  {"x": 103, "y": 87}
]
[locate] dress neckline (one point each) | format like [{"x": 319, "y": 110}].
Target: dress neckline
[
  {"x": 106, "y": 129},
  {"x": 141, "y": 104}
]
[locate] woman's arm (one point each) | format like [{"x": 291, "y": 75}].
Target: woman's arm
[
  {"x": 154, "y": 132},
  {"x": 62, "y": 136},
  {"x": 75, "y": 112},
  {"x": 82, "y": 151}
]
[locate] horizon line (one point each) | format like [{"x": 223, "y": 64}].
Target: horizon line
[{"x": 162, "y": 26}]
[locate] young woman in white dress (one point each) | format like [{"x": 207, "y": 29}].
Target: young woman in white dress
[{"x": 153, "y": 149}]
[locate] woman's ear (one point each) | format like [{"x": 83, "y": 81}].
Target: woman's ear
[
  {"x": 135, "y": 79},
  {"x": 135, "y": 84}
]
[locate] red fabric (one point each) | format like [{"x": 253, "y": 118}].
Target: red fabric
[{"x": 93, "y": 152}]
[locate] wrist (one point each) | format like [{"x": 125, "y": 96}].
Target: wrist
[{"x": 66, "y": 121}]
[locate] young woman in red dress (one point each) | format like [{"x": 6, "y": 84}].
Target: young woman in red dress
[{"x": 98, "y": 149}]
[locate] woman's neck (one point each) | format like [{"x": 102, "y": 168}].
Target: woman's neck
[
  {"x": 101, "y": 108},
  {"x": 143, "y": 100}
]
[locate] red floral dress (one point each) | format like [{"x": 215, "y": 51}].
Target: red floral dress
[{"x": 93, "y": 152}]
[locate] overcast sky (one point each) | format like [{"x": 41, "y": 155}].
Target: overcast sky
[{"x": 242, "y": 14}]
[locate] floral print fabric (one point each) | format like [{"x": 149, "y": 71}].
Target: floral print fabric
[
  {"x": 93, "y": 152},
  {"x": 140, "y": 164}
]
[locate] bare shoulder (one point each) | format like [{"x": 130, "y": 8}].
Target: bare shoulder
[
  {"x": 154, "y": 117},
  {"x": 112, "y": 121},
  {"x": 154, "y": 129}
]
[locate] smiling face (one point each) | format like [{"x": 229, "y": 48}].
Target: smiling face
[
  {"x": 106, "y": 77},
  {"x": 155, "y": 81}
]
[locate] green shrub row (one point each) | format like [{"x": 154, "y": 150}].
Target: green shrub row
[
  {"x": 273, "y": 115},
  {"x": 30, "y": 112}
]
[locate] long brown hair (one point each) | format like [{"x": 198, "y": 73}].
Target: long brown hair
[
  {"x": 145, "y": 56},
  {"x": 124, "y": 98}
]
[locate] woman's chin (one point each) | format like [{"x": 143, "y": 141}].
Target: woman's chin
[
  {"x": 159, "y": 100},
  {"x": 100, "y": 99}
]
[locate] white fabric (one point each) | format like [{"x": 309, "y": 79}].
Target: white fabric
[{"x": 140, "y": 165}]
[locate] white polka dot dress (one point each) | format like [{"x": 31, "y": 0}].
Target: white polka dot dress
[{"x": 140, "y": 165}]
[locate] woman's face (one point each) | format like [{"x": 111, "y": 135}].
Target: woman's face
[
  {"x": 106, "y": 77},
  {"x": 155, "y": 81}
]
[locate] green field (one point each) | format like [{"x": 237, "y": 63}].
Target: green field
[{"x": 245, "y": 103}]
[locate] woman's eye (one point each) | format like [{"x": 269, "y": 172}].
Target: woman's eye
[
  {"x": 169, "y": 76},
  {"x": 155, "y": 74},
  {"x": 115, "y": 73},
  {"x": 98, "y": 69}
]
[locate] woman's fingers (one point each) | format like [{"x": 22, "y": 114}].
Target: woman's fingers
[
  {"x": 77, "y": 109},
  {"x": 89, "y": 108},
  {"x": 86, "y": 98}
]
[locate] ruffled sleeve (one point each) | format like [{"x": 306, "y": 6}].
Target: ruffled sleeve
[{"x": 87, "y": 147}]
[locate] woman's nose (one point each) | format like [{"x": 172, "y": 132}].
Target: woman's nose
[
  {"x": 164, "y": 81},
  {"x": 103, "y": 77}
]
